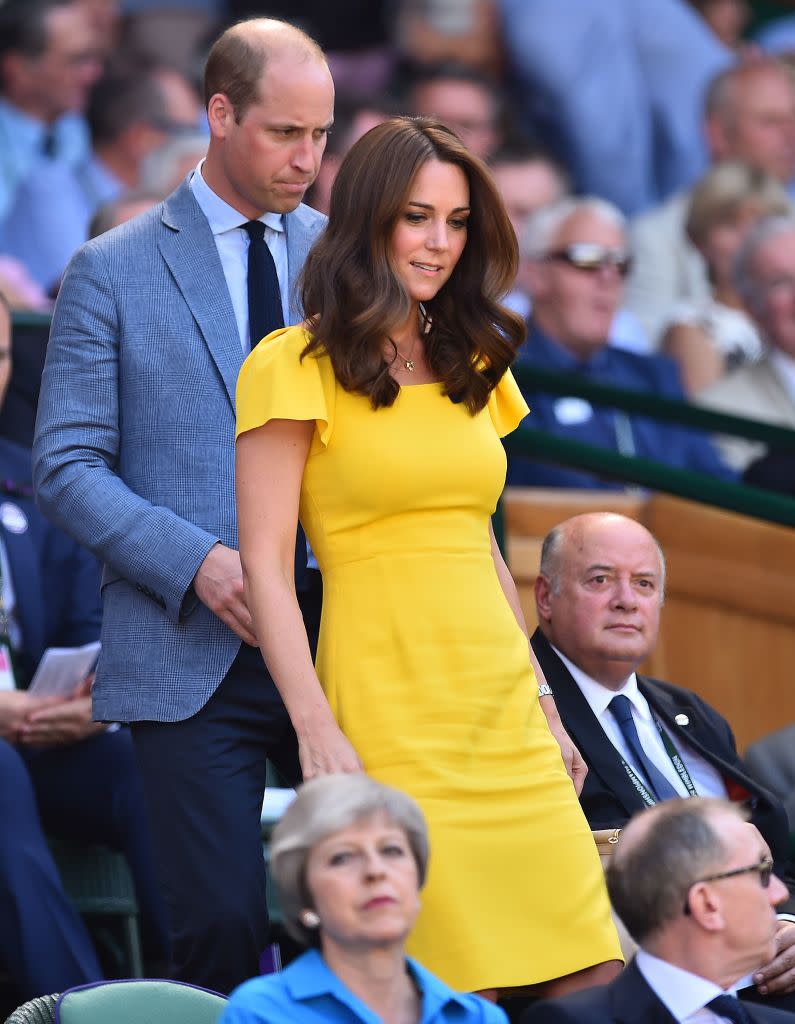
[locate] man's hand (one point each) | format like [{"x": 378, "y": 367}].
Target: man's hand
[
  {"x": 219, "y": 585},
  {"x": 68, "y": 721},
  {"x": 778, "y": 976},
  {"x": 15, "y": 707}
]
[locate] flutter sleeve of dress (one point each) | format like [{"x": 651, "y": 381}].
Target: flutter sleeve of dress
[
  {"x": 276, "y": 384},
  {"x": 506, "y": 405}
]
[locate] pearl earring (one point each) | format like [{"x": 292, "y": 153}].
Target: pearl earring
[{"x": 309, "y": 919}]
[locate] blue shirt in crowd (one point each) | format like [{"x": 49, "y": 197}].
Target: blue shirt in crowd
[
  {"x": 308, "y": 992},
  {"x": 626, "y": 433}
]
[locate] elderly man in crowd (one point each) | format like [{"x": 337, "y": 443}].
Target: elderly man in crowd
[
  {"x": 576, "y": 257},
  {"x": 765, "y": 277},
  {"x": 749, "y": 116},
  {"x": 49, "y": 59},
  {"x": 598, "y": 599},
  {"x": 693, "y": 881}
]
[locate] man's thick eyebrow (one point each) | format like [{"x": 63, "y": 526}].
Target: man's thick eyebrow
[{"x": 429, "y": 206}]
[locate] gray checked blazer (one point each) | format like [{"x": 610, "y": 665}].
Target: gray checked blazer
[{"x": 134, "y": 447}]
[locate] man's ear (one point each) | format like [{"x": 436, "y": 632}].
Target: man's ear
[
  {"x": 220, "y": 115},
  {"x": 543, "y": 596},
  {"x": 705, "y": 907}
]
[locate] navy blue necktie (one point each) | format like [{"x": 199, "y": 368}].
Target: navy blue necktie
[
  {"x": 731, "y": 1008},
  {"x": 264, "y": 297},
  {"x": 621, "y": 709},
  {"x": 265, "y": 315}
]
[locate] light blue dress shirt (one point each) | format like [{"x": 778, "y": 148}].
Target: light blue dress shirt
[
  {"x": 232, "y": 243},
  {"x": 22, "y": 143},
  {"x": 307, "y": 992}
]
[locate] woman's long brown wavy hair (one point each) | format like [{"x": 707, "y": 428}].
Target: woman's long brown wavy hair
[{"x": 354, "y": 300}]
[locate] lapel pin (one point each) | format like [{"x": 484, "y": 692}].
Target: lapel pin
[{"x": 681, "y": 720}]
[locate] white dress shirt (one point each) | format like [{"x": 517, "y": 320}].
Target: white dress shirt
[
  {"x": 684, "y": 994},
  {"x": 232, "y": 243},
  {"x": 706, "y": 779}
]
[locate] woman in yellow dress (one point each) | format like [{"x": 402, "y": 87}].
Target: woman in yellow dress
[{"x": 378, "y": 422}]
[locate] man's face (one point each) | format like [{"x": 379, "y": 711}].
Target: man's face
[
  {"x": 524, "y": 187},
  {"x": 576, "y": 306},
  {"x": 746, "y": 908},
  {"x": 773, "y": 276},
  {"x": 466, "y": 107},
  {"x": 606, "y": 613},
  {"x": 760, "y": 126},
  {"x": 267, "y": 161},
  {"x": 60, "y": 78}
]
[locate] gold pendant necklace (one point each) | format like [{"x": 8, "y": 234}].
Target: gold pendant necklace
[{"x": 408, "y": 362}]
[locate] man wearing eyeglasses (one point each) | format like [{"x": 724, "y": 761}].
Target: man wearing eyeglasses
[
  {"x": 576, "y": 259},
  {"x": 598, "y": 598},
  {"x": 693, "y": 882}
]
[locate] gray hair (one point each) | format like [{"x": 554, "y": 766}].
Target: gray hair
[
  {"x": 322, "y": 807},
  {"x": 551, "y": 562},
  {"x": 543, "y": 224},
  {"x": 744, "y": 272},
  {"x": 649, "y": 877},
  {"x": 726, "y": 191}
]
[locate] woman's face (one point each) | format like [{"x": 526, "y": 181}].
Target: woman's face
[
  {"x": 364, "y": 884},
  {"x": 431, "y": 231},
  {"x": 722, "y": 243}
]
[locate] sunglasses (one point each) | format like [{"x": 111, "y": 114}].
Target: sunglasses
[
  {"x": 592, "y": 257},
  {"x": 764, "y": 868}
]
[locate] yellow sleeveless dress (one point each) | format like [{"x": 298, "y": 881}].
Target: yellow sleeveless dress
[{"x": 427, "y": 671}]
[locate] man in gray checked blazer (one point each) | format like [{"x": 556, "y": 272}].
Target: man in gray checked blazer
[{"x": 134, "y": 456}]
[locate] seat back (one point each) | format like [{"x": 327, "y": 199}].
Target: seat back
[{"x": 139, "y": 1001}]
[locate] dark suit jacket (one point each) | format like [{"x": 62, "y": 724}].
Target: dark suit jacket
[
  {"x": 608, "y": 797},
  {"x": 56, "y": 582},
  {"x": 627, "y": 1000}
]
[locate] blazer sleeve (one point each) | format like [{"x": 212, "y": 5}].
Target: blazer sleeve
[
  {"x": 275, "y": 382},
  {"x": 76, "y": 447}
]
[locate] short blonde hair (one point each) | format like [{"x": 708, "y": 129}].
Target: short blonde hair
[
  {"x": 726, "y": 191},
  {"x": 322, "y": 807}
]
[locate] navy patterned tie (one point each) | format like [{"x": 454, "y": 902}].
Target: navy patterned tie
[
  {"x": 730, "y": 1008},
  {"x": 264, "y": 297},
  {"x": 621, "y": 709}
]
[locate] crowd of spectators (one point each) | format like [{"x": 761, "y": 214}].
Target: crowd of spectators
[{"x": 645, "y": 151}]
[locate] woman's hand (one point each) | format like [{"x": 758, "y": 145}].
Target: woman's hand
[
  {"x": 576, "y": 768},
  {"x": 324, "y": 750}
]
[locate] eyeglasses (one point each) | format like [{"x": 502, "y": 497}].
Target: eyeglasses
[
  {"x": 764, "y": 868},
  {"x": 592, "y": 257}
]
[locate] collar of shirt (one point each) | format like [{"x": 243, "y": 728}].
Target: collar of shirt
[
  {"x": 784, "y": 365},
  {"x": 559, "y": 356},
  {"x": 309, "y": 977},
  {"x": 220, "y": 215},
  {"x": 599, "y": 696},
  {"x": 684, "y": 994}
]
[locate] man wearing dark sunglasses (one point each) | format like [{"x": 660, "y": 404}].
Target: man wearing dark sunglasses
[
  {"x": 693, "y": 882},
  {"x": 575, "y": 258}
]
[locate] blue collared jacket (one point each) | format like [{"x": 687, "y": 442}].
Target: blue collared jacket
[{"x": 308, "y": 992}]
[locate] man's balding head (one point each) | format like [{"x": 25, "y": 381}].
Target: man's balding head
[{"x": 599, "y": 593}]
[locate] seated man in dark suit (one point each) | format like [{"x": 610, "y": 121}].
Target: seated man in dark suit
[
  {"x": 598, "y": 598},
  {"x": 575, "y": 258},
  {"x": 59, "y": 771},
  {"x": 692, "y": 881}
]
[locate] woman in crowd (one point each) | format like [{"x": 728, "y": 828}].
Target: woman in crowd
[
  {"x": 379, "y": 420},
  {"x": 349, "y": 859},
  {"x": 712, "y": 337}
]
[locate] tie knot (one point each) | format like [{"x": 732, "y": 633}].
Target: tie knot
[
  {"x": 621, "y": 708},
  {"x": 255, "y": 230},
  {"x": 730, "y": 1008}
]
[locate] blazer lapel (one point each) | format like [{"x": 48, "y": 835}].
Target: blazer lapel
[
  {"x": 300, "y": 237},
  {"x": 632, "y": 1000},
  {"x": 26, "y": 580},
  {"x": 582, "y": 725},
  {"x": 189, "y": 249}
]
